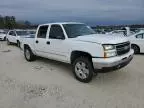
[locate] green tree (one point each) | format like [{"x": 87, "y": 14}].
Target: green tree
[{"x": 1, "y": 22}]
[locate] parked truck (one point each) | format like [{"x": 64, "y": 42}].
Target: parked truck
[{"x": 77, "y": 44}]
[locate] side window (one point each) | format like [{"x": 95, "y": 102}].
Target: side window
[
  {"x": 56, "y": 32},
  {"x": 12, "y": 33},
  {"x": 42, "y": 32},
  {"x": 140, "y": 36}
]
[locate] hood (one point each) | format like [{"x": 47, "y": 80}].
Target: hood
[{"x": 102, "y": 39}]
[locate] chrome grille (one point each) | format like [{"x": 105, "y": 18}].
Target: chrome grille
[{"x": 123, "y": 48}]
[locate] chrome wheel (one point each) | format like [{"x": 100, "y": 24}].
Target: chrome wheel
[
  {"x": 82, "y": 70},
  {"x": 27, "y": 54}
]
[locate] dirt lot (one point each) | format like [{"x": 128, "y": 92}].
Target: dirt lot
[{"x": 49, "y": 84}]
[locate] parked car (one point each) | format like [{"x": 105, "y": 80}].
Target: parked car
[
  {"x": 137, "y": 42},
  {"x": 13, "y": 36},
  {"x": 78, "y": 45},
  {"x": 120, "y": 32},
  {"x": 2, "y": 35}
]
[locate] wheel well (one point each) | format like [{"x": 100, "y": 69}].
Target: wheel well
[
  {"x": 26, "y": 46},
  {"x": 76, "y": 54},
  {"x": 135, "y": 45}
]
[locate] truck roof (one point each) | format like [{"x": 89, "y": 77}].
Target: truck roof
[{"x": 63, "y": 23}]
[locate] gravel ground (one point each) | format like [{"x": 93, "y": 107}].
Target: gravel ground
[{"x": 50, "y": 84}]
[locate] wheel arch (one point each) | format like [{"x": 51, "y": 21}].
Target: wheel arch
[
  {"x": 75, "y": 54},
  {"x": 135, "y": 45}
]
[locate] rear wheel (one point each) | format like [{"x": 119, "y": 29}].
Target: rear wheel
[
  {"x": 83, "y": 69},
  {"x": 136, "y": 49},
  {"x": 29, "y": 56}
]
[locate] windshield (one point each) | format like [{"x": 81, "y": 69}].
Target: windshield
[
  {"x": 21, "y": 33},
  {"x": 74, "y": 30}
]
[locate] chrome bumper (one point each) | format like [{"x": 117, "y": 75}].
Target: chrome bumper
[{"x": 119, "y": 61}]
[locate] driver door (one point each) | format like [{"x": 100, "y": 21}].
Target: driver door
[{"x": 56, "y": 43}]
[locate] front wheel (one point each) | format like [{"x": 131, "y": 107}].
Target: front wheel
[
  {"x": 29, "y": 56},
  {"x": 83, "y": 69},
  {"x": 136, "y": 49}
]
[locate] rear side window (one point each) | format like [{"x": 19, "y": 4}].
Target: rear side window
[
  {"x": 42, "y": 32},
  {"x": 140, "y": 36},
  {"x": 56, "y": 32}
]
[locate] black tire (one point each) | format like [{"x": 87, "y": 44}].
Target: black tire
[
  {"x": 136, "y": 49},
  {"x": 4, "y": 38},
  {"x": 31, "y": 56},
  {"x": 18, "y": 44},
  {"x": 89, "y": 66},
  {"x": 8, "y": 42}
]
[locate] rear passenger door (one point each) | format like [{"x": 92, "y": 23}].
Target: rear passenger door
[{"x": 40, "y": 40}]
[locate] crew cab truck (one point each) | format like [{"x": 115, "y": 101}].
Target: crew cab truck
[{"x": 77, "y": 44}]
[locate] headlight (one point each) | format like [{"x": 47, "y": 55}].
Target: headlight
[
  {"x": 108, "y": 47},
  {"x": 109, "y": 51},
  {"x": 110, "y": 54}
]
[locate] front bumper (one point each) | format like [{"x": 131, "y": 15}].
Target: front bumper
[{"x": 116, "y": 62}]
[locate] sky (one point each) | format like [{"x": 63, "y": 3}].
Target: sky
[{"x": 92, "y": 12}]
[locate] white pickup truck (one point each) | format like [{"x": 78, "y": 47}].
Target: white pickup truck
[{"x": 77, "y": 44}]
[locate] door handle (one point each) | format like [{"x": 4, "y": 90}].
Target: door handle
[
  {"x": 48, "y": 42},
  {"x": 37, "y": 41}
]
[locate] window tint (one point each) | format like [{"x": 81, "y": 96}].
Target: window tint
[
  {"x": 42, "y": 32},
  {"x": 56, "y": 32},
  {"x": 139, "y": 36},
  {"x": 12, "y": 33}
]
